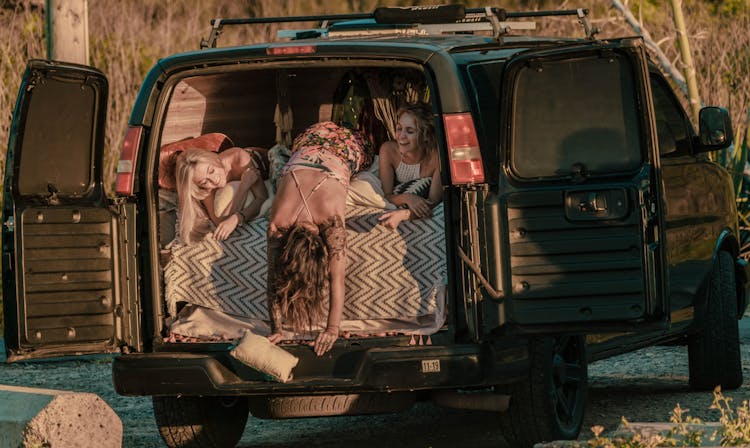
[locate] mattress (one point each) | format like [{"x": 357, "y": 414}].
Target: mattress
[{"x": 391, "y": 274}]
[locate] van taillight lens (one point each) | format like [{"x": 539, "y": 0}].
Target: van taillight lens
[
  {"x": 126, "y": 165},
  {"x": 463, "y": 149}
]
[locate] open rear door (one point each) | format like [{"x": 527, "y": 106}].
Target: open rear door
[
  {"x": 60, "y": 236},
  {"x": 579, "y": 225}
]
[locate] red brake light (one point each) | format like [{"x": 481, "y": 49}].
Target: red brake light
[
  {"x": 126, "y": 165},
  {"x": 463, "y": 149},
  {"x": 291, "y": 49}
]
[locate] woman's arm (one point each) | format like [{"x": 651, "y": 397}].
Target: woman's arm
[
  {"x": 208, "y": 203},
  {"x": 436, "y": 186},
  {"x": 385, "y": 168},
  {"x": 238, "y": 213},
  {"x": 337, "y": 272}
]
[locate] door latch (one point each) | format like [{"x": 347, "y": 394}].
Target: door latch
[
  {"x": 593, "y": 203},
  {"x": 587, "y": 205}
]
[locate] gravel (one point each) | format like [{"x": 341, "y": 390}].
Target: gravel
[{"x": 642, "y": 386}]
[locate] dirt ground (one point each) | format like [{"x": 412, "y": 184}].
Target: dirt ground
[{"x": 642, "y": 386}]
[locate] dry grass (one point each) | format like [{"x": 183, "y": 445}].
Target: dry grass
[
  {"x": 126, "y": 49},
  {"x": 127, "y": 38}
]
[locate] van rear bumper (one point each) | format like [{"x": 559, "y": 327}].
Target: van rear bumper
[{"x": 341, "y": 371}]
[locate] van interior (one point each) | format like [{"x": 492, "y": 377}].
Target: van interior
[{"x": 214, "y": 291}]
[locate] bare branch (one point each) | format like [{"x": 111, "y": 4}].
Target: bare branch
[{"x": 664, "y": 62}]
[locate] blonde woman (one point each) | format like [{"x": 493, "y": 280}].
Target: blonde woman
[
  {"x": 412, "y": 155},
  {"x": 200, "y": 173}
]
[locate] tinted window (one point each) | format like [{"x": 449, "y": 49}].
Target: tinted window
[
  {"x": 575, "y": 115},
  {"x": 485, "y": 82},
  {"x": 57, "y": 148},
  {"x": 671, "y": 125}
]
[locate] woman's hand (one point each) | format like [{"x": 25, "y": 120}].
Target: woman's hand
[
  {"x": 226, "y": 227},
  {"x": 274, "y": 338},
  {"x": 418, "y": 205},
  {"x": 325, "y": 340},
  {"x": 392, "y": 219}
]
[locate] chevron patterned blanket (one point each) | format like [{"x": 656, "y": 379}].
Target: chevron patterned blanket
[{"x": 390, "y": 274}]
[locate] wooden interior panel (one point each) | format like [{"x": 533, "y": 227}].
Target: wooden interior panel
[{"x": 242, "y": 104}]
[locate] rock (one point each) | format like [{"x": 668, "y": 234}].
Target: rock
[{"x": 56, "y": 419}]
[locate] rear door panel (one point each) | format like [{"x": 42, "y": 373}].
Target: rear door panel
[
  {"x": 578, "y": 234},
  {"x": 61, "y": 239}
]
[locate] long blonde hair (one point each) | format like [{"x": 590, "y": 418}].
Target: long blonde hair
[{"x": 189, "y": 194}]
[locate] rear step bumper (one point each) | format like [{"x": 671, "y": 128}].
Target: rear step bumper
[{"x": 340, "y": 371}]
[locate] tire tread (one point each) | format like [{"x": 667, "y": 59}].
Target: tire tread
[{"x": 714, "y": 351}]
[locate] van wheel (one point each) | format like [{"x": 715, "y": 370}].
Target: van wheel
[
  {"x": 329, "y": 405},
  {"x": 714, "y": 351},
  {"x": 549, "y": 404},
  {"x": 200, "y": 422}
]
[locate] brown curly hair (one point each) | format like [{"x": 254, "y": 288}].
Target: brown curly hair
[{"x": 301, "y": 278}]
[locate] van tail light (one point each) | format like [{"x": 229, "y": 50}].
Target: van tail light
[
  {"x": 128, "y": 155},
  {"x": 463, "y": 149}
]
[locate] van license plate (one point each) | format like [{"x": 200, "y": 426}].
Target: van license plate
[{"x": 430, "y": 365}]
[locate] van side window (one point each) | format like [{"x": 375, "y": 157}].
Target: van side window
[{"x": 672, "y": 126}]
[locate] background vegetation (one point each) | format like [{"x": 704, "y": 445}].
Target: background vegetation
[{"x": 128, "y": 36}]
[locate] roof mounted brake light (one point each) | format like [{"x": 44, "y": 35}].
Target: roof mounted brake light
[
  {"x": 419, "y": 14},
  {"x": 290, "y": 49},
  {"x": 463, "y": 149}
]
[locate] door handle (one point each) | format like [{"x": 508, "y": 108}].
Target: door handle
[{"x": 593, "y": 203}]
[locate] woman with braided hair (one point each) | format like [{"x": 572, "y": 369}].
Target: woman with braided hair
[{"x": 306, "y": 235}]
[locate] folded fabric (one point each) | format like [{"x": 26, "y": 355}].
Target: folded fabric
[
  {"x": 260, "y": 354},
  {"x": 366, "y": 190}
]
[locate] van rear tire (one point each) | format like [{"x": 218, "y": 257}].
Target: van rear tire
[
  {"x": 549, "y": 404},
  {"x": 714, "y": 351},
  {"x": 201, "y": 422}
]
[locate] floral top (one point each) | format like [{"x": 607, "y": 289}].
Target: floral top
[{"x": 328, "y": 147}]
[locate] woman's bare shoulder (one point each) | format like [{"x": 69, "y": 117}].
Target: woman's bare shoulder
[
  {"x": 236, "y": 155},
  {"x": 434, "y": 162},
  {"x": 389, "y": 151}
]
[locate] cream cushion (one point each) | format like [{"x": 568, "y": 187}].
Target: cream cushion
[{"x": 260, "y": 354}]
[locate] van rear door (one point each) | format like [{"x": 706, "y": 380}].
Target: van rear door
[
  {"x": 62, "y": 239},
  {"x": 576, "y": 218}
]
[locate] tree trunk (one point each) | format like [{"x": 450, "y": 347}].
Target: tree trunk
[{"x": 68, "y": 31}]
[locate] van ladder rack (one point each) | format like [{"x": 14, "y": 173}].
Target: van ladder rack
[{"x": 433, "y": 15}]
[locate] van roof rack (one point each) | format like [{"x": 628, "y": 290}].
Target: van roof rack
[{"x": 417, "y": 20}]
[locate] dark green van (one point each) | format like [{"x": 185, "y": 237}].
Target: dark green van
[{"x": 581, "y": 219}]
